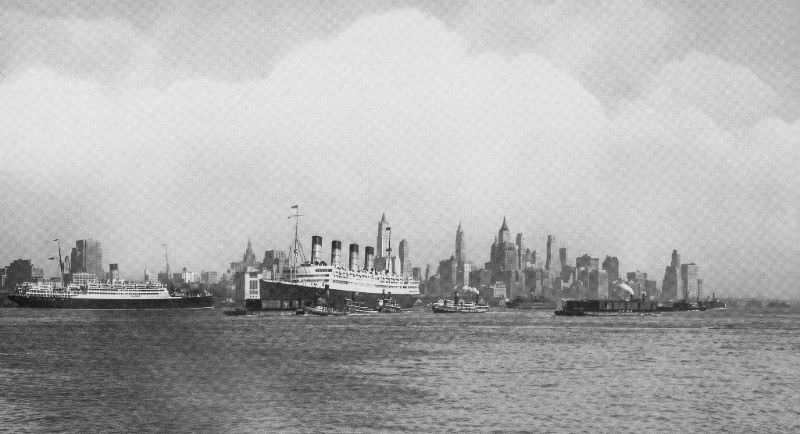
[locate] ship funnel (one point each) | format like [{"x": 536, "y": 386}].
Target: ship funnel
[
  {"x": 316, "y": 249},
  {"x": 336, "y": 253},
  {"x": 353, "y": 257},
  {"x": 369, "y": 256}
]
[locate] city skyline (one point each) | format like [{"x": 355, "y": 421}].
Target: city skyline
[{"x": 628, "y": 129}]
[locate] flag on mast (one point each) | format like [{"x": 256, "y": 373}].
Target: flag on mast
[{"x": 294, "y": 206}]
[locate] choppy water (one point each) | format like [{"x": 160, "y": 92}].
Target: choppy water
[{"x": 89, "y": 371}]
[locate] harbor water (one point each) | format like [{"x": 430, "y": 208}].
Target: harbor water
[{"x": 505, "y": 371}]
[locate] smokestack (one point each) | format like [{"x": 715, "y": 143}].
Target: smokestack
[
  {"x": 353, "y": 257},
  {"x": 548, "y": 262},
  {"x": 316, "y": 249},
  {"x": 336, "y": 253},
  {"x": 369, "y": 257}
]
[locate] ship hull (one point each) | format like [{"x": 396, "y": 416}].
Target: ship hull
[
  {"x": 203, "y": 302},
  {"x": 286, "y": 296}
]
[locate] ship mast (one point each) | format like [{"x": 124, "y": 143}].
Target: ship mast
[
  {"x": 297, "y": 248},
  {"x": 60, "y": 261}
]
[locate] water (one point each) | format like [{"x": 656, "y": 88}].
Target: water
[{"x": 88, "y": 371}]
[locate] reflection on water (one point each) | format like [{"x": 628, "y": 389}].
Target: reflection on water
[{"x": 504, "y": 370}]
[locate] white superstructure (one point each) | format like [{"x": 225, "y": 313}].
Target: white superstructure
[
  {"x": 114, "y": 290},
  {"x": 339, "y": 278}
]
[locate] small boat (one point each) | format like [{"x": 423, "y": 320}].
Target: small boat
[
  {"x": 388, "y": 305},
  {"x": 357, "y": 308},
  {"x": 237, "y": 312},
  {"x": 323, "y": 311},
  {"x": 458, "y": 306}
]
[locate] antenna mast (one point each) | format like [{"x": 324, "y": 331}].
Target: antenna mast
[{"x": 297, "y": 248}]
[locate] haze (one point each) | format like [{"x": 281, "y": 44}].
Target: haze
[{"x": 623, "y": 128}]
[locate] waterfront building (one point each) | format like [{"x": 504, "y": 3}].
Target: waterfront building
[
  {"x": 186, "y": 276},
  {"x": 689, "y": 281},
  {"x": 18, "y": 271},
  {"x": 82, "y": 278},
  {"x": 672, "y": 279},
  {"x": 499, "y": 290},
  {"x": 209, "y": 277},
  {"x": 637, "y": 281}
]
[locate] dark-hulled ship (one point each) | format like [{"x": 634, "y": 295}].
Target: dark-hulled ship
[{"x": 113, "y": 295}]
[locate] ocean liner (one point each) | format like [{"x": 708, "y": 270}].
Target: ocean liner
[
  {"x": 115, "y": 295},
  {"x": 314, "y": 282}
]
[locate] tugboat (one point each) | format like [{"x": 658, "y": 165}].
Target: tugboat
[{"x": 389, "y": 305}]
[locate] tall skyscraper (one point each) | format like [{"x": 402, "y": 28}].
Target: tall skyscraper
[
  {"x": 689, "y": 282},
  {"x": 670, "y": 287},
  {"x": 460, "y": 252},
  {"x": 382, "y": 242},
  {"x": 611, "y": 265},
  {"x": 87, "y": 257},
  {"x": 249, "y": 258},
  {"x": 551, "y": 240},
  {"x": 405, "y": 263},
  {"x": 504, "y": 235}
]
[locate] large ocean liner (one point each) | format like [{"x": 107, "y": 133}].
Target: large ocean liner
[
  {"x": 315, "y": 282},
  {"x": 114, "y": 295}
]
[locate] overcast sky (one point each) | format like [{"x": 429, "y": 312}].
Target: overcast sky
[{"x": 623, "y": 128}]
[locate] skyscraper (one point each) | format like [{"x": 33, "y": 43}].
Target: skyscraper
[
  {"x": 689, "y": 281},
  {"x": 460, "y": 253},
  {"x": 611, "y": 265},
  {"x": 405, "y": 265},
  {"x": 382, "y": 242},
  {"x": 551, "y": 240},
  {"x": 504, "y": 235},
  {"x": 672, "y": 279},
  {"x": 87, "y": 257}
]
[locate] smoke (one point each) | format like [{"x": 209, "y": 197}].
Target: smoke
[
  {"x": 470, "y": 290},
  {"x": 624, "y": 286}
]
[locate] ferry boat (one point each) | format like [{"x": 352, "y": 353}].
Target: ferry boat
[
  {"x": 317, "y": 283},
  {"x": 458, "y": 306},
  {"x": 112, "y": 295}
]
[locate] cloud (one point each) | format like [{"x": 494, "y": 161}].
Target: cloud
[{"x": 399, "y": 113}]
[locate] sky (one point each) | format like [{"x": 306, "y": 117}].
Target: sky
[{"x": 623, "y": 128}]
